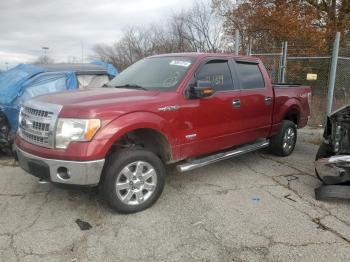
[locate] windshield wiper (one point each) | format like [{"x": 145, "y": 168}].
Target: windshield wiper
[{"x": 131, "y": 86}]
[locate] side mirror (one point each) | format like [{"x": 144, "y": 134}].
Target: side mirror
[{"x": 201, "y": 89}]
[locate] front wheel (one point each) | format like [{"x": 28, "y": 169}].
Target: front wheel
[
  {"x": 133, "y": 180},
  {"x": 284, "y": 142}
]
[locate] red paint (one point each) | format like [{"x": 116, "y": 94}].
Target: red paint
[{"x": 215, "y": 122}]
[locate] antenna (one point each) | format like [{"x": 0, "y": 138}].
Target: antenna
[{"x": 82, "y": 50}]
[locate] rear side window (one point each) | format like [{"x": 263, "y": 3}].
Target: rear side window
[
  {"x": 250, "y": 76},
  {"x": 218, "y": 73}
]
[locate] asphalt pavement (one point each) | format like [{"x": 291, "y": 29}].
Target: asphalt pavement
[{"x": 256, "y": 207}]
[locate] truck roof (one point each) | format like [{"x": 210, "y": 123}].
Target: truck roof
[{"x": 203, "y": 55}]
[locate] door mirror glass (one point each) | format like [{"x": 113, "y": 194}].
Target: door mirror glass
[{"x": 201, "y": 89}]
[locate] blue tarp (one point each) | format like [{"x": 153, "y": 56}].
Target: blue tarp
[
  {"x": 27, "y": 81},
  {"x": 12, "y": 81},
  {"x": 39, "y": 84},
  {"x": 111, "y": 70}
]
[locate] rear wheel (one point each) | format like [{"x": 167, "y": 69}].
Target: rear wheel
[
  {"x": 133, "y": 180},
  {"x": 284, "y": 142}
]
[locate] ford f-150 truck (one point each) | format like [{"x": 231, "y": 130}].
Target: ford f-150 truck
[{"x": 193, "y": 109}]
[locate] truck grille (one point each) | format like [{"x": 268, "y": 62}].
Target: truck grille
[
  {"x": 36, "y": 112},
  {"x": 37, "y": 121}
]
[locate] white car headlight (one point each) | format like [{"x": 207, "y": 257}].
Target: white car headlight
[{"x": 69, "y": 129}]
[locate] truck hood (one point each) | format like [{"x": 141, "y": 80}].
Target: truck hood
[{"x": 101, "y": 102}]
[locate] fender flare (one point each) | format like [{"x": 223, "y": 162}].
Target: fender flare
[
  {"x": 288, "y": 106},
  {"x": 133, "y": 121}
]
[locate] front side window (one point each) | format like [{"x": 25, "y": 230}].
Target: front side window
[
  {"x": 218, "y": 73},
  {"x": 250, "y": 75},
  {"x": 154, "y": 73}
]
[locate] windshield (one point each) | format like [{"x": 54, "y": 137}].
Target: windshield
[{"x": 155, "y": 73}]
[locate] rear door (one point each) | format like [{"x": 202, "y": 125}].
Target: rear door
[{"x": 256, "y": 98}]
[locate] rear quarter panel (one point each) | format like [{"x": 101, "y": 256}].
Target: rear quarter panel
[{"x": 289, "y": 98}]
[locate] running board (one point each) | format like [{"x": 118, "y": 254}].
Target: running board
[{"x": 200, "y": 162}]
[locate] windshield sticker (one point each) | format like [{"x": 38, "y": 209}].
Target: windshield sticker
[{"x": 180, "y": 63}]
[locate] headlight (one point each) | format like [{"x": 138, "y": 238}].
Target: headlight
[
  {"x": 20, "y": 115},
  {"x": 69, "y": 129}
]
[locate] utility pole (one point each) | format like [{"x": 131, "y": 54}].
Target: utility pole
[
  {"x": 283, "y": 63},
  {"x": 249, "y": 49},
  {"x": 45, "y": 49},
  {"x": 82, "y": 51},
  {"x": 238, "y": 2},
  {"x": 333, "y": 73}
]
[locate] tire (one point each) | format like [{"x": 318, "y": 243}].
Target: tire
[
  {"x": 324, "y": 150},
  {"x": 5, "y": 143},
  {"x": 284, "y": 142},
  {"x": 139, "y": 186}
]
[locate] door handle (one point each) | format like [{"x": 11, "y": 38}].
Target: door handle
[
  {"x": 268, "y": 100},
  {"x": 236, "y": 103}
]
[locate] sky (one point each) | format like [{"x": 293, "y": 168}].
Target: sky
[{"x": 70, "y": 28}]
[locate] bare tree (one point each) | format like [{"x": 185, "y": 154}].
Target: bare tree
[
  {"x": 196, "y": 30},
  {"x": 44, "y": 59},
  {"x": 72, "y": 59},
  {"x": 203, "y": 28}
]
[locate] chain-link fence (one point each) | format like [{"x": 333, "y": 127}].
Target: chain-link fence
[
  {"x": 307, "y": 67},
  {"x": 313, "y": 72},
  {"x": 342, "y": 81},
  {"x": 272, "y": 64}
]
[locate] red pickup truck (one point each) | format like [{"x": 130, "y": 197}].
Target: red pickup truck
[{"x": 193, "y": 109}]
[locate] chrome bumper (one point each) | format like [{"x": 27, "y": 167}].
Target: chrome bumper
[
  {"x": 335, "y": 169},
  {"x": 61, "y": 171}
]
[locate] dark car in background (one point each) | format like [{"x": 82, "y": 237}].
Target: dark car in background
[{"x": 26, "y": 81}]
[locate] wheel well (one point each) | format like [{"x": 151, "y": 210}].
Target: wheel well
[
  {"x": 293, "y": 115},
  {"x": 146, "y": 138},
  {"x": 4, "y": 123}
]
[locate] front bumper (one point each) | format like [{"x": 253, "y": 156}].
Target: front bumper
[
  {"x": 85, "y": 173},
  {"x": 334, "y": 170}
]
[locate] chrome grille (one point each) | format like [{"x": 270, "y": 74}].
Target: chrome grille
[
  {"x": 36, "y": 112},
  {"x": 37, "y": 121},
  {"x": 41, "y": 126},
  {"x": 34, "y": 138}
]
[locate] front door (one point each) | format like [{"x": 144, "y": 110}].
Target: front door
[{"x": 212, "y": 123}]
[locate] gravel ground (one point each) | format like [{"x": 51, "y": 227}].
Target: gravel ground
[{"x": 256, "y": 207}]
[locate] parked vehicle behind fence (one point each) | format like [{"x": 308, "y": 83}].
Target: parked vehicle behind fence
[
  {"x": 27, "y": 81},
  {"x": 191, "y": 109}
]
